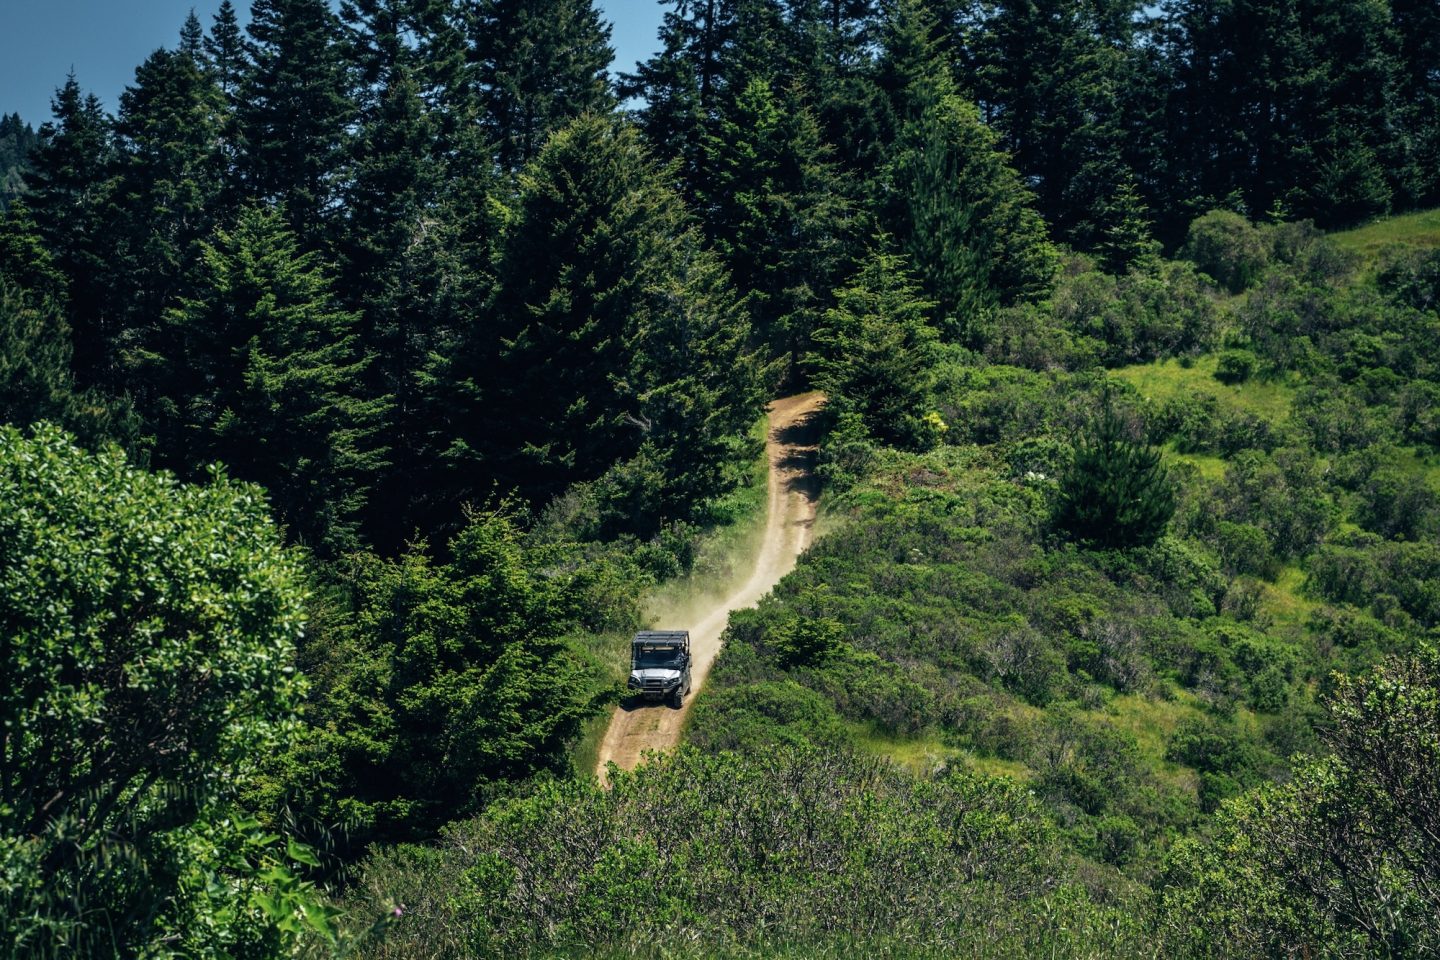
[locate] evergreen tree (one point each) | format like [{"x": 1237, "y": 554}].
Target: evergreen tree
[
  {"x": 24, "y": 259},
  {"x": 875, "y": 353},
  {"x": 36, "y": 349},
  {"x": 1053, "y": 77},
  {"x": 682, "y": 84},
  {"x": 17, "y": 141},
  {"x": 538, "y": 65},
  {"x": 270, "y": 381},
  {"x": 602, "y": 278},
  {"x": 293, "y": 112},
  {"x": 69, "y": 191},
  {"x": 1127, "y": 237},
  {"x": 192, "y": 39},
  {"x": 405, "y": 258},
  {"x": 227, "y": 62},
  {"x": 1115, "y": 493},
  {"x": 34, "y": 357},
  {"x": 225, "y": 50},
  {"x": 438, "y": 681},
  {"x": 1416, "y": 26},
  {"x": 1284, "y": 104},
  {"x": 910, "y": 75},
  {"x": 964, "y": 218},
  {"x": 168, "y": 174},
  {"x": 778, "y": 212},
  {"x": 35, "y": 345},
  {"x": 831, "y": 43}
]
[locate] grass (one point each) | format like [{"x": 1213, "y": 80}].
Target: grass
[
  {"x": 1418, "y": 230},
  {"x": 1207, "y": 466},
  {"x": 1151, "y": 721},
  {"x": 1285, "y": 600},
  {"x": 927, "y": 752},
  {"x": 918, "y": 754},
  {"x": 1158, "y": 382},
  {"x": 1424, "y": 465}
]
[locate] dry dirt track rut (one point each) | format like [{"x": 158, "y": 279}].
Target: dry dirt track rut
[{"x": 637, "y": 728}]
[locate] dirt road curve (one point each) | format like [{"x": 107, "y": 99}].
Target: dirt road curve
[{"x": 639, "y": 727}]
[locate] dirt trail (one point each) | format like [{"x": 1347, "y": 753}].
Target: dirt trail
[{"x": 638, "y": 727}]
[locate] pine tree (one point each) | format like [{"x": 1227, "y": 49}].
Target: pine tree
[
  {"x": 36, "y": 345},
  {"x": 964, "y": 218},
  {"x": 192, "y": 39},
  {"x": 225, "y": 50},
  {"x": 778, "y": 212},
  {"x": 1284, "y": 101},
  {"x": 17, "y": 141},
  {"x": 34, "y": 357},
  {"x": 270, "y": 381},
  {"x": 875, "y": 352},
  {"x": 618, "y": 340},
  {"x": 406, "y": 260},
  {"x": 1127, "y": 237},
  {"x": 293, "y": 113},
  {"x": 169, "y": 176},
  {"x": 1416, "y": 26},
  {"x": 1116, "y": 493},
  {"x": 69, "y": 190},
  {"x": 24, "y": 259},
  {"x": 683, "y": 84},
  {"x": 831, "y": 43},
  {"x": 910, "y": 75},
  {"x": 35, "y": 349},
  {"x": 538, "y": 65},
  {"x": 1053, "y": 77}
]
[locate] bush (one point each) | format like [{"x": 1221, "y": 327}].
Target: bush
[
  {"x": 1230, "y": 249},
  {"x": 1235, "y": 366},
  {"x": 149, "y": 632},
  {"x": 1245, "y": 550},
  {"x": 756, "y": 718},
  {"x": 788, "y": 846}
]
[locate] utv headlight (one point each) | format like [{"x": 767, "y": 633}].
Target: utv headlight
[{"x": 633, "y": 682}]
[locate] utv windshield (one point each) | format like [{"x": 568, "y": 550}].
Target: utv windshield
[{"x": 656, "y": 657}]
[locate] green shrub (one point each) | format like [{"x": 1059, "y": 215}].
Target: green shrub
[
  {"x": 1245, "y": 550},
  {"x": 790, "y": 845},
  {"x": 758, "y": 717},
  {"x": 1235, "y": 366},
  {"x": 1230, "y": 249},
  {"x": 149, "y": 631}
]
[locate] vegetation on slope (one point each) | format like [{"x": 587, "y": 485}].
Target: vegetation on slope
[{"x": 1129, "y": 467}]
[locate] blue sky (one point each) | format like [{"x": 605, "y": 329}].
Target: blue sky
[{"x": 105, "y": 40}]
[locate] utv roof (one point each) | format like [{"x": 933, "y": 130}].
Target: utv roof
[{"x": 662, "y": 636}]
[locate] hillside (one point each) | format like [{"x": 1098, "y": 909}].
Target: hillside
[
  {"x": 944, "y": 626},
  {"x": 375, "y": 370}
]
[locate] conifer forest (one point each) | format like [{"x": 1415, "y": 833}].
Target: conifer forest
[{"x": 374, "y": 370}]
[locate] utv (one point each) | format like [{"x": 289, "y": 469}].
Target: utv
[{"x": 660, "y": 665}]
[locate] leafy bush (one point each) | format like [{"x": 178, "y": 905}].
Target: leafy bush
[
  {"x": 786, "y": 846},
  {"x": 1235, "y": 366},
  {"x": 1342, "y": 860},
  {"x": 149, "y": 639},
  {"x": 1227, "y": 247},
  {"x": 756, "y": 718}
]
